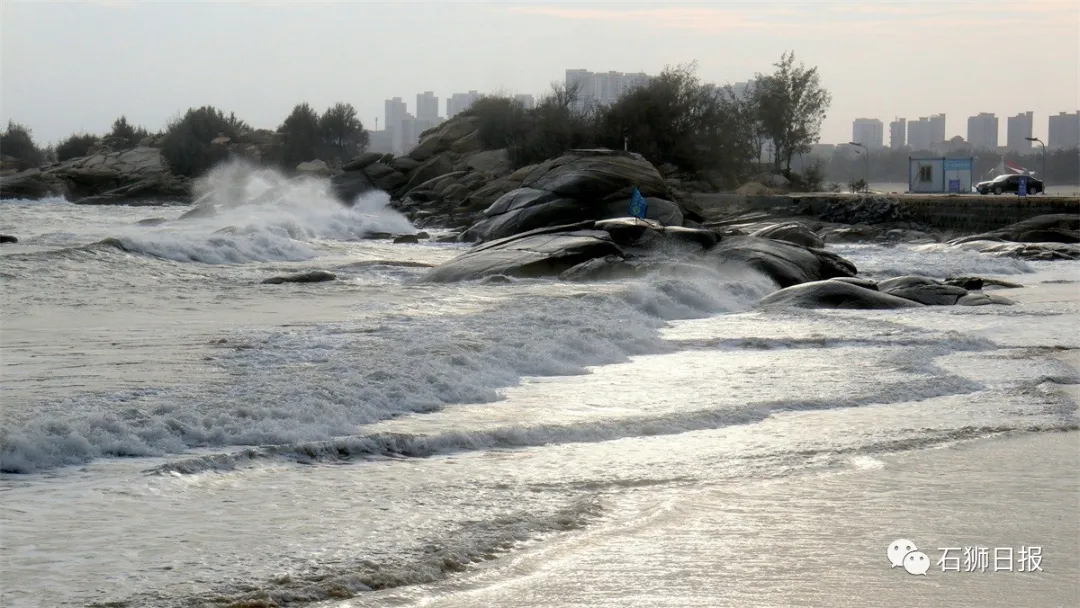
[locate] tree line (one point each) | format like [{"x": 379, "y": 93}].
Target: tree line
[
  {"x": 675, "y": 119},
  {"x": 188, "y": 141}
]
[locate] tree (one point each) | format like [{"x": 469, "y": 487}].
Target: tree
[
  {"x": 342, "y": 134},
  {"x": 75, "y": 146},
  {"x": 301, "y": 129},
  {"x": 791, "y": 105},
  {"x": 17, "y": 142},
  {"x": 133, "y": 135},
  {"x": 188, "y": 144}
]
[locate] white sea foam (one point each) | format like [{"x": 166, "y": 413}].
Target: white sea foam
[
  {"x": 262, "y": 216},
  {"x": 936, "y": 260}
]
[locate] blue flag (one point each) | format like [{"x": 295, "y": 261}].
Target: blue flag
[{"x": 638, "y": 206}]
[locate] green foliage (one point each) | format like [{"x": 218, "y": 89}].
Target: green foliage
[
  {"x": 17, "y": 142},
  {"x": 501, "y": 120},
  {"x": 301, "y": 129},
  {"x": 75, "y": 146},
  {"x": 133, "y": 135},
  {"x": 187, "y": 146},
  {"x": 552, "y": 128},
  {"x": 342, "y": 134},
  {"x": 337, "y": 135},
  {"x": 790, "y": 107}
]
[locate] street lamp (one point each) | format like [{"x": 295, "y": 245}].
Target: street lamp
[
  {"x": 1042, "y": 175},
  {"x": 866, "y": 153}
]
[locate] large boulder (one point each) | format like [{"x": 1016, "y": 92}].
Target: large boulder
[
  {"x": 598, "y": 174},
  {"x": 923, "y": 290},
  {"x": 524, "y": 209},
  {"x": 362, "y": 161},
  {"x": 1052, "y": 228},
  {"x": 493, "y": 161},
  {"x": 543, "y": 252},
  {"x": 785, "y": 263},
  {"x": 833, "y": 294},
  {"x": 792, "y": 232},
  {"x": 350, "y": 184},
  {"x": 441, "y": 138},
  {"x": 32, "y": 185},
  {"x": 436, "y": 166},
  {"x": 385, "y": 177}
]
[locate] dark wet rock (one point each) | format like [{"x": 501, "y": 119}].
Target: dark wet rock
[
  {"x": 923, "y": 290},
  {"x": 423, "y": 235},
  {"x": 977, "y": 283},
  {"x": 834, "y": 294},
  {"x": 7, "y": 238},
  {"x": 31, "y": 185},
  {"x": 522, "y": 210},
  {"x": 311, "y": 276},
  {"x": 361, "y": 161},
  {"x": 1052, "y": 228},
  {"x": 435, "y": 167},
  {"x": 380, "y": 236},
  {"x": 199, "y": 211},
  {"x": 496, "y": 279},
  {"x": 983, "y": 299},
  {"x": 792, "y": 232},
  {"x": 152, "y": 221},
  {"x": 406, "y": 238},
  {"x": 858, "y": 281},
  {"x": 350, "y": 184},
  {"x": 385, "y": 177},
  {"x": 851, "y": 234},
  {"x": 785, "y": 263},
  {"x": 601, "y": 269},
  {"x": 597, "y": 174},
  {"x": 542, "y": 252}
]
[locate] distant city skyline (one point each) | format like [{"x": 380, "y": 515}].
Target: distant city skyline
[{"x": 291, "y": 53}]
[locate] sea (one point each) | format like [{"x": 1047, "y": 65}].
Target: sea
[{"x": 175, "y": 433}]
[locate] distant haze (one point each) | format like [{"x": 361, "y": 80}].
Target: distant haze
[{"x": 71, "y": 67}]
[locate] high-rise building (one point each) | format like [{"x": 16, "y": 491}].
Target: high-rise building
[
  {"x": 602, "y": 88},
  {"x": 427, "y": 107},
  {"x": 1019, "y": 129},
  {"x": 937, "y": 129},
  {"x": 982, "y": 131},
  {"x": 459, "y": 102},
  {"x": 1063, "y": 131},
  {"x": 396, "y": 111},
  {"x": 526, "y": 100},
  {"x": 898, "y": 133},
  {"x": 869, "y": 132}
]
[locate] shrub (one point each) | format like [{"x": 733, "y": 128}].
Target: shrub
[
  {"x": 17, "y": 142},
  {"x": 133, "y": 135},
  {"x": 301, "y": 129},
  {"x": 187, "y": 146},
  {"x": 75, "y": 146}
]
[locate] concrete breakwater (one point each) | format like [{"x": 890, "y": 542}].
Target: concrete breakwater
[{"x": 955, "y": 212}]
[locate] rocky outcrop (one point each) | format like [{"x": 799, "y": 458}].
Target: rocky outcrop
[
  {"x": 582, "y": 185},
  {"x": 7, "y": 238},
  {"x": 785, "y": 263},
  {"x": 543, "y": 252},
  {"x": 833, "y": 294},
  {"x": 311, "y": 276},
  {"x": 792, "y": 232},
  {"x": 1055, "y": 228},
  {"x": 107, "y": 177}
]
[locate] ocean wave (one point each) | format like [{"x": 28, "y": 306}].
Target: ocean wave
[
  {"x": 933, "y": 260},
  {"x": 314, "y": 383}
]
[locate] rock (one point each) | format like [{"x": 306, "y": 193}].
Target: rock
[
  {"x": 349, "y": 185},
  {"x": 833, "y": 294},
  {"x": 983, "y": 299},
  {"x": 968, "y": 283},
  {"x": 406, "y": 238},
  {"x": 31, "y": 185},
  {"x": 151, "y": 221},
  {"x": 199, "y": 211},
  {"x": 405, "y": 164},
  {"x": 456, "y": 192},
  {"x": 650, "y": 234},
  {"x": 792, "y": 232},
  {"x": 361, "y": 161},
  {"x": 436, "y": 166},
  {"x": 525, "y": 209},
  {"x": 314, "y": 167},
  {"x": 7, "y": 238},
  {"x": 492, "y": 161},
  {"x": 601, "y": 269},
  {"x": 853, "y": 234},
  {"x": 1052, "y": 228},
  {"x": 592, "y": 174},
  {"x": 857, "y": 281},
  {"x": 311, "y": 276},
  {"x": 543, "y": 252},
  {"x": 385, "y": 177},
  {"x": 441, "y": 138},
  {"x": 467, "y": 144},
  {"x": 785, "y": 263},
  {"x": 923, "y": 290}
]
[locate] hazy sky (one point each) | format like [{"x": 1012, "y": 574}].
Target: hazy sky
[{"x": 78, "y": 65}]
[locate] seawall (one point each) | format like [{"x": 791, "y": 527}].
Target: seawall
[{"x": 971, "y": 213}]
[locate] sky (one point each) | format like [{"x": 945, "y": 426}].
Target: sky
[{"x": 76, "y": 66}]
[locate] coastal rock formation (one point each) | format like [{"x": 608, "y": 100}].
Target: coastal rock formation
[
  {"x": 542, "y": 252},
  {"x": 834, "y": 294},
  {"x": 923, "y": 290},
  {"x": 785, "y": 263},
  {"x": 311, "y": 276},
  {"x": 7, "y": 238},
  {"x": 792, "y": 232},
  {"x": 1054, "y": 228}
]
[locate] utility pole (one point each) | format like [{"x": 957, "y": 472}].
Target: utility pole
[
  {"x": 866, "y": 153},
  {"x": 1042, "y": 175}
]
